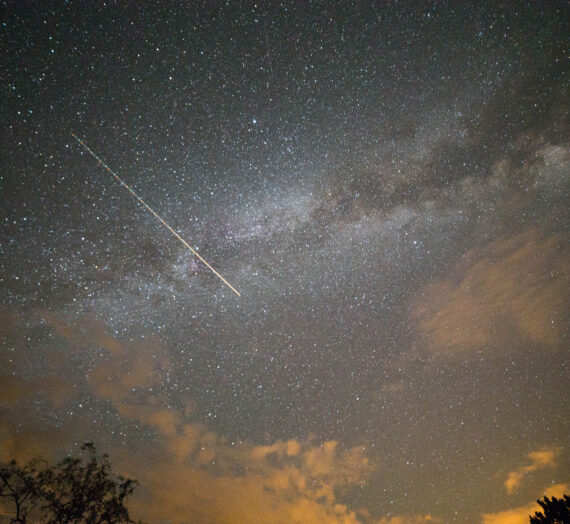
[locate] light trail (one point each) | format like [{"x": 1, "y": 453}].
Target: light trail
[{"x": 156, "y": 215}]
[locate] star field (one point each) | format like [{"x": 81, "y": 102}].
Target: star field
[{"x": 385, "y": 183}]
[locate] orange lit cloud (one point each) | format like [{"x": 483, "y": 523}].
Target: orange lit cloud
[
  {"x": 544, "y": 458},
  {"x": 8, "y": 324},
  {"x": 193, "y": 474},
  {"x": 25, "y": 440},
  {"x": 520, "y": 515},
  {"x": 49, "y": 387},
  {"x": 516, "y": 288},
  {"x": 249, "y": 485},
  {"x": 410, "y": 519},
  {"x": 61, "y": 328},
  {"x": 12, "y": 389}
]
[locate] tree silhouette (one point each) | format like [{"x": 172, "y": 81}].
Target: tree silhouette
[
  {"x": 76, "y": 490},
  {"x": 554, "y": 511}
]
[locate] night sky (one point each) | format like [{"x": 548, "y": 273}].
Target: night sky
[{"x": 387, "y": 186}]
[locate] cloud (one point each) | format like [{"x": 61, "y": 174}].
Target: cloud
[
  {"x": 11, "y": 390},
  {"x": 226, "y": 483},
  {"x": 520, "y": 514},
  {"x": 516, "y": 288},
  {"x": 541, "y": 459},
  {"x": 62, "y": 328},
  {"x": 9, "y": 323},
  {"x": 14, "y": 388},
  {"x": 199, "y": 475},
  {"x": 193, "y": 474},
  {"x": 185, "y": 494},
  {"x": 410, "y": 519}
]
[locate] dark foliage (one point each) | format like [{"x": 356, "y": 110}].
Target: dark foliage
[
  {"x": 76, "y": 490},
  {"x": 554, "y": 511}
]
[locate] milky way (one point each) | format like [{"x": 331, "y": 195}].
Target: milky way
[{"x": 387, "y": 186}]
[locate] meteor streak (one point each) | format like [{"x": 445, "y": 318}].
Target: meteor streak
[{"x": 156, "y": 215}]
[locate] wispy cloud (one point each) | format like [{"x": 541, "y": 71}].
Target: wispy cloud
[
  {"x": 192, "y": 473},
  {"x": 541, "y": 459},
  {"x": 410, "y": 519},
  {"x": 520, "y": 514},
  {"x": 515, "y": 289}
]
